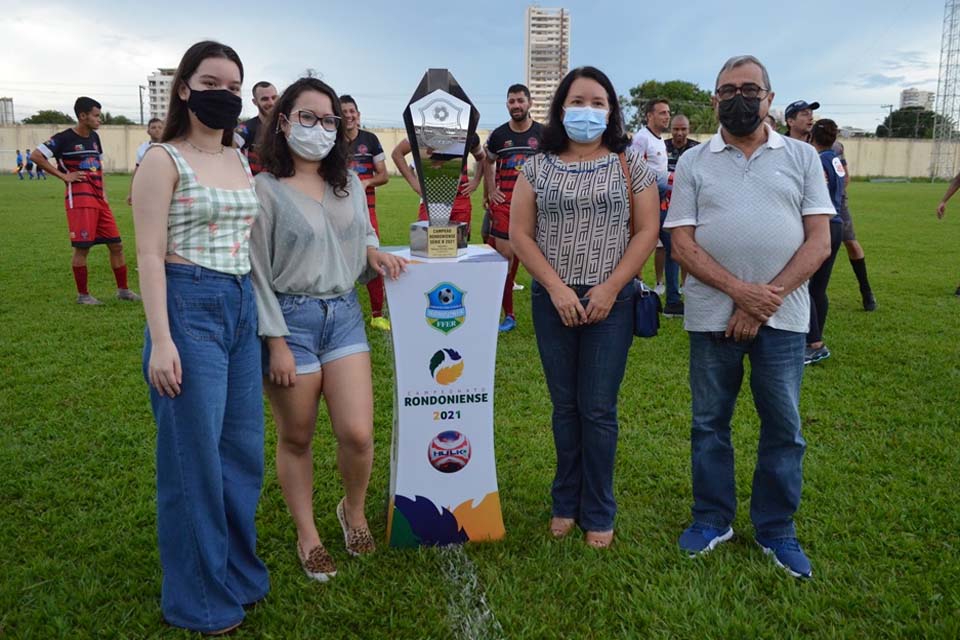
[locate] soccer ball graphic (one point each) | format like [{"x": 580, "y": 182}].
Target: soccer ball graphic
[
  {"x": 445, "y": 295},
  {"x": 449, "y": 451}
]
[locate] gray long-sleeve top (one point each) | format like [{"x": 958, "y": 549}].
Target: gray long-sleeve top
[{"x": 301, "y": 246}]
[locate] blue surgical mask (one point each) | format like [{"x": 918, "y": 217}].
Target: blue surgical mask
[{"x": 584, "y": 124}]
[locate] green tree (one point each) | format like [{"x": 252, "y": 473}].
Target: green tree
[
  {"x": 49, "y": 116},
  {"x": 107, "y": 118},
  {"x": 910, "y": 122},
  {"x": 685, "y": 97}
]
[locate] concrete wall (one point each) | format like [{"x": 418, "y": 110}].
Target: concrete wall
[
  {"x": 888, "y": 157},
  {"x": 891, "y": 157}
]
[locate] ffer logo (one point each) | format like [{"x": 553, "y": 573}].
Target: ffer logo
[{"x": 445, "y": 308}]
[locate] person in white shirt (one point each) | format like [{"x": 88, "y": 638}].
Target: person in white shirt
[
  {"x": 649, "y": 143},
  {"x": 155, "y": 131}
]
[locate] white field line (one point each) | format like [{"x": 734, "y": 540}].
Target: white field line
[{"x": 468, "y": 614}]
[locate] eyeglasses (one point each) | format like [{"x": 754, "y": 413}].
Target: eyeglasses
[
  {"x": 748, "y": 90},
  {"x": 309, "y": 120}
]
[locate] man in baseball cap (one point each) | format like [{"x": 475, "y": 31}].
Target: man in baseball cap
[{"x": 799, "y": 117}]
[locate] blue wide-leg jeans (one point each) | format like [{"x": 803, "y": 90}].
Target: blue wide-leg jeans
[{"x": 210, "y": 452}]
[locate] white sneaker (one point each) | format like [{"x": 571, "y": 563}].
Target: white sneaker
[
  {"x": 659, "y": 289},
  {"x": 86, "y": 298},
  {"x": 126, "y": 294},
  {"x": 518, "y": 287}
]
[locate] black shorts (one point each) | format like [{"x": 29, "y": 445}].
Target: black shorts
[{"x": 849, "y": 235}]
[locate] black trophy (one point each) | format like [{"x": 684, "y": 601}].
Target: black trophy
[{"x": 440, "y": 120}]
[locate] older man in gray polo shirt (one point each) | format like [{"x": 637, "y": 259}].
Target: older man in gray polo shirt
[{"x": 749, "y": 218}]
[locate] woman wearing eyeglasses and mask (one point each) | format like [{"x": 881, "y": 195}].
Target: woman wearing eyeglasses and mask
[
  {"x": 311, "y": 243},
  {"x": 193, "y": 205},
  {"x": 570, "y": 222}
]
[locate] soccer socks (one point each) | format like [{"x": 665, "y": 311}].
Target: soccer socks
[
  {"x": 375, "y": 289},
  {"x": 80, "y": 276},
  {"x": 120, "y": 273},
  {"x": 860, "y": 270},
  {"x": 508, "y": 287}
]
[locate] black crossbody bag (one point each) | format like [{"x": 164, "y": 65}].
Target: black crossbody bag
[{"x": 646, "y": 302}]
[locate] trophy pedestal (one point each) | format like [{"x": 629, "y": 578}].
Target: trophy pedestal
[
  {"x": 443, "y": 476},
  {"x": 438, "y": 241}
]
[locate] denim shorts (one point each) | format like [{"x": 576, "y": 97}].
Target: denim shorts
[{"x": 321, "y": 331}]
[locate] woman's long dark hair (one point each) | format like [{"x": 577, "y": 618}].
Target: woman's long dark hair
[
  {"x": 272, "y": 145},
  {"x": 178, "y": 116},
  {"x": 555, "y": 139}
]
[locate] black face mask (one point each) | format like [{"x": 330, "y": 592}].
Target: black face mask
[
  {"x": 215, "y": 108},
  {"x": 740, "y": 116}
]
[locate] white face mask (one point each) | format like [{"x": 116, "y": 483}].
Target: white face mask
[{"x": 311, "y": 143}]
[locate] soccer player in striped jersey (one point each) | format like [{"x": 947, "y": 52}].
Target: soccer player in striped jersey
[
  {"x": 462, "y": 207},
  {"x": 78, "y": 154},
  {"x": 507, "y": 148},
  {"x": 367, "y": 158}
]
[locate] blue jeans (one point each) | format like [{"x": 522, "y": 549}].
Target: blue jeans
[
  {"x": 584, "y": 367},
  {"x": 671, "y": 270},
  {"x": 716, "y": 372},
  {"x": 210, "y": 452}
]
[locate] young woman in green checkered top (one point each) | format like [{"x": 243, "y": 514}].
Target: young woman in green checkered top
[{"x": 193, "y": 206}]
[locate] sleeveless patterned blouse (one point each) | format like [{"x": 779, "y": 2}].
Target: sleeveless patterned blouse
[{"x": 210, "y": 226}]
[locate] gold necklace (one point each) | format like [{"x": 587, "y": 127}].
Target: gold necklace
[{"x": 209, "y": 153}]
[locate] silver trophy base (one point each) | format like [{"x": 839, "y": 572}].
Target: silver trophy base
[{"x": 439, "y": 240}]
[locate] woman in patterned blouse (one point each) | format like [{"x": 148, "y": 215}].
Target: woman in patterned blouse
[
  {"x": 570, "y": 222},
  {"x": 193, "y": 205}
]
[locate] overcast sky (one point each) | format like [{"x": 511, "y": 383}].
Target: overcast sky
[{"x": 851, "y": 56}]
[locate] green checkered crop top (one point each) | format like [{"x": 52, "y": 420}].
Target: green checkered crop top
[{"x": 210, "y": 226}]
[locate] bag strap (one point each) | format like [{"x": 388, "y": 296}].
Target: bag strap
[{"x": 626, "y": 176}]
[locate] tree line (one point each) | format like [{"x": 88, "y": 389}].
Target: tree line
[
  {"x": 52, "y": 116},
  {"x": 685, "y": 98}
]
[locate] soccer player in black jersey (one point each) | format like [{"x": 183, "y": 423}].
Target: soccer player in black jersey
[
  {"x": 462, "y": 207},
  {"x": 507, "y": 149},
  {"x": 77, "y": 152},
  {"x": 264, "y": 96},
  {"x": 367, "y": 158}
]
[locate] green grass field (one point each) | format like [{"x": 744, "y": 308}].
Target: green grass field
[{"x": 879, "y": 518}]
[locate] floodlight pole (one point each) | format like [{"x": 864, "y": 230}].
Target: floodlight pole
[
  {"x": 141, "y": 87},
  {"x": 947, "y": 110}
]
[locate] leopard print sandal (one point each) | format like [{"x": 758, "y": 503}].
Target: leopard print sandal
[
  {"x": 317, "y": 564},
  {"x": 359, "y": 540}
]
